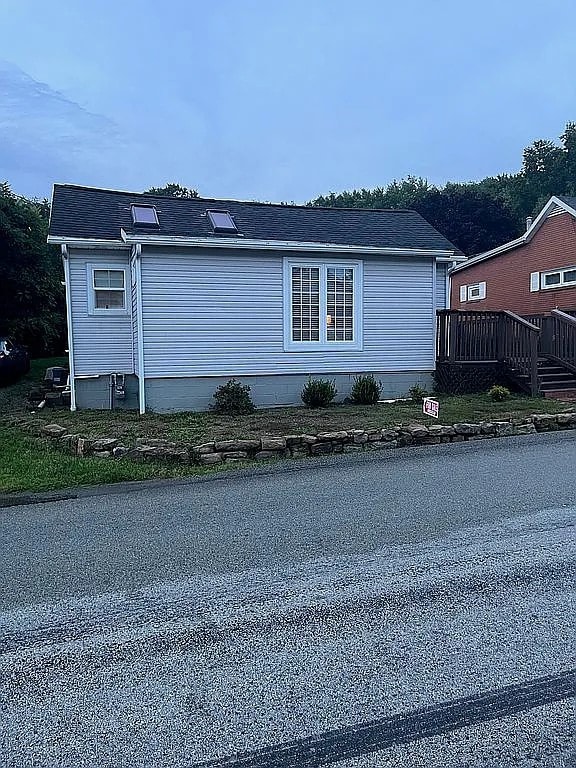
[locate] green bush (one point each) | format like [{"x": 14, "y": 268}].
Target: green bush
[
  {"x": 498, "y": 393},
  {"x": 233, "y": 398},
  {"x": 318, "y": 393},
  {"x": 365, "y": 390},
  {"x": 418, "y": 393}
]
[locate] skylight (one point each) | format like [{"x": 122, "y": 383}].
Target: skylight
[
  {"x": 145, "y": 215},
  {"x": 222, "y": 221}
]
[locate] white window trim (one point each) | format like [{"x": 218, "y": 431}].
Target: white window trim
[
  {"x": 561, "y": 284},
  {"x": 323, "y": 345},
  {"x": 481, "y": 286},
  {"x": 100, "y": 311}
]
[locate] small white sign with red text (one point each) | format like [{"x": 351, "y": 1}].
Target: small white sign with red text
[{"x": 430, "y": 407}]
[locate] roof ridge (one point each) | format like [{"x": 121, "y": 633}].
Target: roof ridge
[{"x": 234, "y": 200}]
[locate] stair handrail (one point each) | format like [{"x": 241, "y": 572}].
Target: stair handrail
[
  {"x": 532, "y": 352},
  {"x": 563, "y": 339},
  {"x": 563, "y": 316},
  {"x": 522, "y": 321}
]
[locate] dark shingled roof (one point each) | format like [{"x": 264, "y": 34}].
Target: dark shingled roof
[
  {"x": 84, "y": 212},
  {"x": 571, "y": 201}
]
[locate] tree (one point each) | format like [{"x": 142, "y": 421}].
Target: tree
[
  {"x": 32, "y": 298},
  {"x": 480, "y": 215},
  {"x": 470, "y": 217},
  {"x": 172, "y": 190}
]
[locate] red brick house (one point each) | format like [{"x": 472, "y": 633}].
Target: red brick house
[{"x": 531, "y": 275}]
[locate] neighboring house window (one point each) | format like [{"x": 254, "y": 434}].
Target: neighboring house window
[
  {"x": 107, "y": 289},
  {"x": 557, "y": 279},
  {"x": 473, "y": 292},
  {"x": 323, "y": 305}
]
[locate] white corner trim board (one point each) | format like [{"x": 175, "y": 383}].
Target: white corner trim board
[
  {"x": 69, "y": 324},
  {"x": 140, "y": 331}
]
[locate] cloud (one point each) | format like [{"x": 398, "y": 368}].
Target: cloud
[{"x": 46, "y": 137}]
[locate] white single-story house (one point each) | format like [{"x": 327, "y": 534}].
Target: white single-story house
[{"x": 168, "y": 298}]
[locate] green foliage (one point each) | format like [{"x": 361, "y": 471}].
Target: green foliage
[
  {"x": 365, "y": 390},
  {"x": 418, "y": 393},
  {"x": 479, "y": 215},
  {"x": 172, "y": 190},
  {"x": 233, "y": 398},
  {"x": 32, "y": 298},
  {"x": 498, "y": 393},
  {"x": 318, "y": 393}
]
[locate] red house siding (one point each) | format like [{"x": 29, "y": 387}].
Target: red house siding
[{"x": 507, "y": 275}]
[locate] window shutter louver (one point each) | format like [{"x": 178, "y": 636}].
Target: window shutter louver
[
  {"x": 462, "y": 293},
  {"x": 483, "y": 290},
  {"x": 534, "y": 282}
]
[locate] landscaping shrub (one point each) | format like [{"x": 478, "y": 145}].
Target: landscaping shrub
[
  {"x": 318, "y": 393},
  {"x": 498, "y": 393},
  {"x": 233, "y": 398},
  {"x": 365, "y": 390},
  {"x": 418, "y": 393}
]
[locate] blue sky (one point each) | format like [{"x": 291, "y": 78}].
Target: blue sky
[{"x": 255, "y": 99}]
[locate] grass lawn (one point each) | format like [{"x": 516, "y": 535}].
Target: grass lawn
[{"x": 26, "y": 463}]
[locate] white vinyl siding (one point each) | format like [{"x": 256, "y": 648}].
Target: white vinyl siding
[
  {"x": 102, "y": 339},
  {"x": 217, "y": 312},
  {"x": 441, "y": 285}
]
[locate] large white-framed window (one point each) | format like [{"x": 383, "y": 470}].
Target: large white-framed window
[
  {"x": 558, "y": 278},
  {"x": 107, "y": 289},
  {"x": 322, "y": 304}
]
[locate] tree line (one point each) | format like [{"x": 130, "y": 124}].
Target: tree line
[{"x": 475, "y": 216}]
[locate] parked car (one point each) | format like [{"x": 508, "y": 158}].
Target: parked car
[{"x": 14, "y": 361}]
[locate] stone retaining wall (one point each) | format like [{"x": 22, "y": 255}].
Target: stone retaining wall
[{"x": 297, "y": 446}]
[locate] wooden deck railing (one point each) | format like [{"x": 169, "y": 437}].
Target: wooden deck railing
[
  {"x": 561, "y": 339},
  {"x": 470, "y": 336},
  {"x": 520, "y": 347}
]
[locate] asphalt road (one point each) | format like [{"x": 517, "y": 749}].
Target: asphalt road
[{"x": 416, "y": 609}]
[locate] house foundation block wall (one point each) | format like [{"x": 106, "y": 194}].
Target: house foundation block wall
[
  {"x": 195, "y": 394},
  {"x": 94, "y": 393}
]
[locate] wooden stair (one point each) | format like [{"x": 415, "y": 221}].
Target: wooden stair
[{"x": 556, "y": 381}]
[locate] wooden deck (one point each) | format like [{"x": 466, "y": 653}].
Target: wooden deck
[{"x": 521, "y": 345}]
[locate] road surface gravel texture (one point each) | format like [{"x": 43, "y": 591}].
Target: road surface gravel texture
[{"x": 411, "y": 610}]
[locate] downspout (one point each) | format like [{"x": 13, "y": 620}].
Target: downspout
[
  {"x": 66, "y": 263},
  {"x": 140, "y": 330}
]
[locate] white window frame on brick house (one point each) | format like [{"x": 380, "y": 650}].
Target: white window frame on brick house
[
  {"x": 473, "y": 292},
  {"x": 93, "y": 289},
  {"x": 562, "y": 283},
  {"x": 325, "y": 321}
]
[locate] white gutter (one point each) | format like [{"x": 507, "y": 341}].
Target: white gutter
[
  {"x": 86, "y": 242},
  {"x": 280, "y": 245},
  {"x": 66, "y": 263},
  {"x": 140, "y": 330},
  {"x": 276, "y": 245}
]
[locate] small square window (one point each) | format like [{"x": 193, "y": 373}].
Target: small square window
[
  {"x": 107, "y": 290},
  {"x": 145, "y": 215},
  {"x": 222, "y": 221}
]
